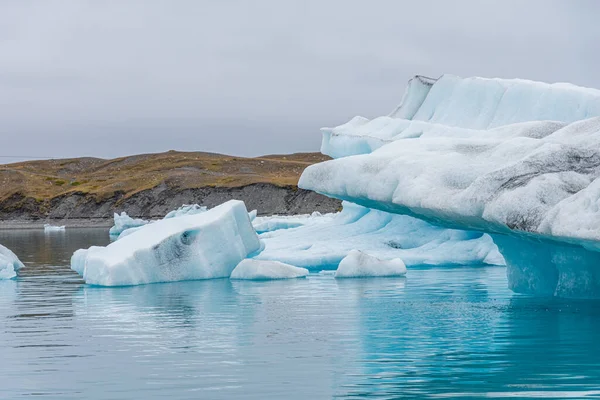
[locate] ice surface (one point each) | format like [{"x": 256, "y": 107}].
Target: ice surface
[
  {"x": 260, "y": 270},
  {"x": 9, "y": 263},
  {"x": 358, "y": 264},
  {"x": 53, "y": 228},
  {"x": 324, "y": 241},
  {"x": 199, "y": 246},
  {"x": 511, "y": 157}
]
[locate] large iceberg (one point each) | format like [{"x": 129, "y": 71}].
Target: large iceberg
[
  {"x": 514, "y": 158},
  {"x": 199, "y": 246},
  {"x": 9, "y": 263},
  {"x": 324, "y": 240}
]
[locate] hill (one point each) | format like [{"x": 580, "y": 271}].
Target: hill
[{"x": 149, "y": 185}]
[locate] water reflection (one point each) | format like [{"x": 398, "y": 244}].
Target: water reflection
[{"x": 439, "y": 332}]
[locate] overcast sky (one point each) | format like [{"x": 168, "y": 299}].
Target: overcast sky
[{"x": 111, "y": 78}]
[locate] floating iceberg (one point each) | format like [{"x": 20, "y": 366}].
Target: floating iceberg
[
  {"x": 125, "y": 225},
  {"x": 187, "y": 209},
  {"x": 200, "y": 246},
  {"x": 277, "y": 222},
  {"x": 53, "y": 228},
  {"x": 261, "y": 270},
  {"x": 327, "y": 239},
  {"x": 9, "y": 263},
  {"x": 124, "y": 222},
  {"x": 515, "y": 158},
  {"x": 361, "y": 265}
]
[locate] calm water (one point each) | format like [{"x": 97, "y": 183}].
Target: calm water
[{"x": 440, "y": 333}]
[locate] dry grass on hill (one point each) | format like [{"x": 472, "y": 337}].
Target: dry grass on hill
[{"x": 47, "y": 179}]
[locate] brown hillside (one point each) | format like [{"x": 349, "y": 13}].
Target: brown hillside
[{"x": 47, "y": 179}]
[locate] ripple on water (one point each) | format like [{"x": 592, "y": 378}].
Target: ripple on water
[{"x": 454, "y": 332}]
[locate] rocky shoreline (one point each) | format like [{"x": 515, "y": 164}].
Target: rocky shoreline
[{"x": 78, "y": 209}]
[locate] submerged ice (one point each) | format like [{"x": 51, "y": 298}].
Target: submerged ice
[
  {"x": 515, "y": 158},
  {"x": 198, "y": 246}
]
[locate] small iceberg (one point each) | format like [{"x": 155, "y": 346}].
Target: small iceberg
[
  {"x": 280, "y": 222},
  {"x": 260, "y": 270},
  {"x": 186, "y": 209},
  {"x": 9, "y": 263},
  {"x": 125, "y": 225},
  {"x": 53, "y": 228},
  {"x": 124, "y": 222},
  {"x": 200, "y": 246},
  {"x": 361, "y": 265}
]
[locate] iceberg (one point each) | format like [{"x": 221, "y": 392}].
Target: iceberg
[
  {"x": 9, "y": 263},
  {"x": 275, "y": 222},
  {"x": 324, "y": 241},
  {"x": 514, "y": 158},
  {"x": 124, "y": 222},
  {"x": 199, "y": 246},
  {"x": 260, "y": 270},
  {"x": 125, "y": 225},
  {"x": 53, "y": 228},
  {"x": 361, "y": 265},
  {"x": 187, "y": 209}
]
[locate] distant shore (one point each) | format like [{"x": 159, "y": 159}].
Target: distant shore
[
  {"x": 86, "y": 192},
  {"x": 69, "y": 223}
]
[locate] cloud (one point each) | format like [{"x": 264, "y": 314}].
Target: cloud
[{"x": 120, "y": 77}]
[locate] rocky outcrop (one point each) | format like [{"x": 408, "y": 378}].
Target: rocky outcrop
[{"x": 156, "y": 202}]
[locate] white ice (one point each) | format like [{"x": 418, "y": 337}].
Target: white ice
[
  {"x": 323, "y": 242},
  {"x": 276, "y": 222},
  {"x": 489, "y": 154},
  {"x": 199, "y": 246},
  {"x": 125, "y": 225},
  {"x": 358, "y": 264},
  {"x": 124, "y": 222},
  {"x": 260, "y": 270},
  {"x": 53, "y": 228},
  {"x": 513, "y": 157},
  {"x": 187, "y": 209},
  {"x": 9, "y": 263}
]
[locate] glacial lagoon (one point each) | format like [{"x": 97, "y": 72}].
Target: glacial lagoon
[{"x": 443, "y": 332}]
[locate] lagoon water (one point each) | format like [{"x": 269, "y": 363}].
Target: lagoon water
[{"x": 454, "y": 332}]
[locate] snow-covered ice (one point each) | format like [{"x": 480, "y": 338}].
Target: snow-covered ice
[
  {"x": 9, "y": 263},
  {"x": 324, "y": 241},
  {"x": 199, "y": 246},
  {"x": 358, "y": 264},
  {"x": 510, "y": 157},
  {"x": 260, "y": 270},
  {"x": 53, "y": 228}
]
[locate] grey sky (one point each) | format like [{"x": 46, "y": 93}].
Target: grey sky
[{"x": 110, "y": 78}]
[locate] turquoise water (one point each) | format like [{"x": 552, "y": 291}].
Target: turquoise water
[{"x": 439, "y": 333}]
